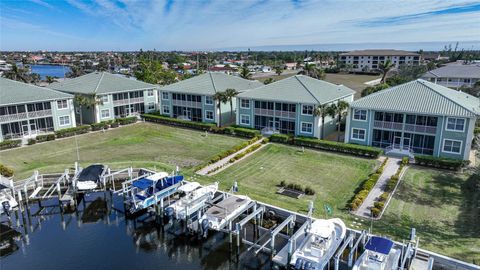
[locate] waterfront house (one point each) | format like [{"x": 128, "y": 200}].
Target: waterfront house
[
  {"x": 370, "y": 60},
  {"x": 27, "y": 110},
  {"x": 454, "y": 76},
  {"x": 193, "y": 99},
  {"x": 287, "y": 106},
  {"x": 116, "y": 96},
  {"x": 417, "y": 117}
]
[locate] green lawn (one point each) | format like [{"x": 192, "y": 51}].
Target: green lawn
[
  {"x": 142, "y": 144},
  {"x": 442, "y": 206}
]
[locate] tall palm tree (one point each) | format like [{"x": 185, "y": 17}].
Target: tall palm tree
[
  {"x": 312, "y": 71},
  {"x": 49, "y": 79},
  {"x": 321, "y": 111},
  {"x": 245, "y": 73},
  {"x": 338, "y": 110},
  {"x": 17, "y": 74},
  {"x": 385, "y": 68},
  {"x": 231, "y": 93},
  {"x": 220, "y": 98},
  {"x": 88, "y": 102}
]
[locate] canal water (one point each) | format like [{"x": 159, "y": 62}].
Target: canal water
[
  {"x": 97, "y": 235},
  {"x": 50, "y": 70}
]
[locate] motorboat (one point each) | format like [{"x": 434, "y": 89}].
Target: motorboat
[
  {"x": 7, "y": 201},
  {"x": 149, "y": 190},
  {"x": 90, "y": 177},
  {"x": 323, "y": 239},
  {"x": 194, "y": 198},
  {"x": 379, "y": 254}
]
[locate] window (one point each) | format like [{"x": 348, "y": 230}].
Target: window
[
  {"x": 455, "y": 124},
  {"x": 208, "y": 100},
  {"x": 245, "y": 119},
  {"x": 165, "y": 95},
  {"x": 166, "y": 109},
  {"x": 209, "y": 115},
  {"x": 104, "y": 99},
  {"x": 358, "y": 134},
  {"x": 307, "y": 110},
  {"x": 245, "y": 104},
  {"x": 105, "y": 113},
  {"x": 360, "y": 115},
  {"x": 62, "y": 104},
  {"x": 151, "y": 106},
  {"x": 150, "y": 93},
  {"x": 306, "y": 127},
  {"x": 452, "y": 146},
  {"x": 64, "y": 120}
]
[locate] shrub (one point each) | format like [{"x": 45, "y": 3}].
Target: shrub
[
  {"x": 280, "y": 138},
  {"x": 265, "y": 140},
  {"x": 443, "y": 163},
  {"x": 114, "y": 124},
  {"x": 375, "y": 212},
  {"x": 46, "y": 137},
  {"x": 383, "y": 197},
  {"x": 31, "y": 141},
  {"x": 126, "y": 120},
  {"x": 379, "y": 205},
  {"x": 282, "y": 183},
  {"x": 99, "y": 126},
  {"x": 7, "y": 144},
  {"x": 309, "y": 191},
  {"x": 354, "y": 149},
  {"x": 67, "y": 132},
  {"x": 177, "y": 122},
  {"x": 392, "y": 183},
  {"x": 239, "y": 131},
  {"x": 6, "y": 171},
  {"x": 405, "y": 161}
]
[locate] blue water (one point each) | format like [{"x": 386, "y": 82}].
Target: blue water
[{"x": 50, "y": 70}]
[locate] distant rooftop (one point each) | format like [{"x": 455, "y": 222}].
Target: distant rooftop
[
  {"x": 421, "y": 97},
  {"x": 13, "y": 92},
  {"x": 455, "y": 71},
  {"x": 100, "y": 83},
  {"x": 299, "y": 89},
  {"x": 386, "y": 52}
]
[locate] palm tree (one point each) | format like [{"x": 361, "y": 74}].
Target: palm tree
[
  {"x": 312, "y": 71},
  {"x": 385, "y": 68},
  {"x": 88, "y": 102},
  {"x": 17, "y": 74},
  {"x": 338, "y": 110},
  {"x": 321, "y": 111},
  {"x": 245, "y": 73},
  {"x": 220, "y": 98},
  {"x": 278, "y": 70},
  {"x": 49, "y": 79},
  {"x": 75, "y": 71},
  {"x": 230, "y": 93}
]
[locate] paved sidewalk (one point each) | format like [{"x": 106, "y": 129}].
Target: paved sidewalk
[{"x": 388, "y": 171}]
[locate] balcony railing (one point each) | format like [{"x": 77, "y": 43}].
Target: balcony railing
[
  {"x": 24, "y": 116},
  {"x": 421, "y": 129},
  {"x": 389, "y": 125},
  {"x": 128, "y": 101},
  {"x": 185, "y": 103},
  {"x": 282, "y": 114}
]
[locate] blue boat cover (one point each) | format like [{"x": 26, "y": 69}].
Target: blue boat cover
[
  {"x": 379, "y": 244},
  {"x": 142, "y": 183}
]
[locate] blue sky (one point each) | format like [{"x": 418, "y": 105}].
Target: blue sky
[{"x": 211, "y": 24}]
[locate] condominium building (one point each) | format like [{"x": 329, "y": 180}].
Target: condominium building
[
  {"x": 370, "y": 60},
  {"x": 116, "y": 96},
  {"x": 417, "y": 117},
  {"x": 27, "y": 110},
  {"x": 287, "y": 106},
  {"x": 454, "y": 76}
]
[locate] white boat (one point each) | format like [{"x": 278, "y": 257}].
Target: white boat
[
  {"x": 7, "y": 201},
  {"x": 323, "y": 239},
  {"x": 218, "y": 216},
  {"x": 195, "y": 197},
  {"x": 379, "y": 254},
  {"x": 89, "y": 178}
]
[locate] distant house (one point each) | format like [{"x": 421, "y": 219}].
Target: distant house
[
  {"x": 118, "y": 96},
  {"x": 454, "y": 76},
  {"x": 287, "y": 106},
  {"x": 27, "y": 110},
  {"x": 417, "y": 117},
  {"x": 369, "y": 60},
  {"x": 192, "y": 99},
  {"x": 290, "y": 66}
]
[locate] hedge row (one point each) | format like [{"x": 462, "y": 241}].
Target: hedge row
[
  {"x": 241, "y": 132},
  {"x": 6, "y": 171},
  {"x": 244, "y": 153},
  {"x": 126, "y": 120},
  {"x": 177, "y": 122},
  {"x": 227, "y": 153},
  {"x": 443, "y": 163},
  {"x": 354, "y": 149},
  {"x": 67, "y": 132},
  {"x": 281, "y": 138},
  {"x": 46, "y": 137},
  {"x": 7, "y": 144},
  {"x": 366, "y": 187},
  {"x": 294, "y": 186}
]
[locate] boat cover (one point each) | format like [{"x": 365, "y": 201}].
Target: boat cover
[
  {"x": 379, "y": 244},
  {"x": 2, "y": 187},
  {"x": 91, "y": 173},
  {"x": 143, "y": 183}
]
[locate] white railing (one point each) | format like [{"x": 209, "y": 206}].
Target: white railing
[
  {"x": 185, "y": 103},
  {"x": 421, "y": 129},
  {"x": 24, "y": 116},
  {"x": 267, "y": 112},
  {"x": 128, "y": 101},
  {"x": 389, "y": 125}
]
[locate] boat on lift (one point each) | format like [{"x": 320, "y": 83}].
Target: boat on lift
[
  {"x": 194, "y": 198},
  {"x": 7, "y": 201},
  {"x": 379, "y": 254},
  {"x": 90, "y": 177},
  {"x": 150, "y": 190},
  {"x": 322, "y": 240}
]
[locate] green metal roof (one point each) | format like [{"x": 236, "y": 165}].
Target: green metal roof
[
  {"x": 299, "y": 89},
  {"x": 421, "y": 97},
  {"x": 13, "y": 92},
  {"x": 211, "y": 83},
  {"x": 100, "y": 83}
]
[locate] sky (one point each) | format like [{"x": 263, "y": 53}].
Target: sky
[{"x": 75, "y": 25}]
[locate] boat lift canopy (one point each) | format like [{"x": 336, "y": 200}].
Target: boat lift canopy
[{"x": 379, "y": 244}]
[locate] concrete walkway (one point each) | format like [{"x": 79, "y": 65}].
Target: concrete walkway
[
  {"x": 388, "y": 171},
  {"x": 225, "y": 162}
]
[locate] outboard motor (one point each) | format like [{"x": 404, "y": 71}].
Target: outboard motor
[
  {"x": 205, "y": 227},
  {"x": 169, "y": 213},
  {"x": 308, "y": 266},
  {"x": 6, "y": 207},
  {"x": 298, "y": 264}
]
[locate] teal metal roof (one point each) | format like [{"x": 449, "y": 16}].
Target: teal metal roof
[
  {"x": 211, "y": 83},
  {"x": 100, "y": 83},
  {"x": 299, "y": 89},
  {"x": 13, "y": 92},
  {"x": 421, "y": 97}
]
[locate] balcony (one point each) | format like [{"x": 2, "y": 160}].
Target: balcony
[
  {"x": 281, "y": 114},
  {"x": 185, "y": 103},
  {"x": 24, "y": 116},
  {"x": 420, "y": 129},
  {"x": 388, "y": 125},
  {"x": 128, "y": 101}
]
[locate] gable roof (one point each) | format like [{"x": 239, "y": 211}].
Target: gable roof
[
  {"x": 211, "y": 83},
  {"x": 13, "y": 92},
  {"x": 382, "y": 52},
  {"x": 421, "y": 97},
  {"x": 100, "y": 83},
  {"x": 299, "y": 89},
  {"x": 455, "y": 71}
]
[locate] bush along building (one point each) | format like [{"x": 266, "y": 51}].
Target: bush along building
[
  {"x": 102, "y": 96},
  {"x": 194, "y": 99},
  {"x": 288, "y": 106},
  {"x": 417, "y": 117},
  {"x": 27, "y": 110}
]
